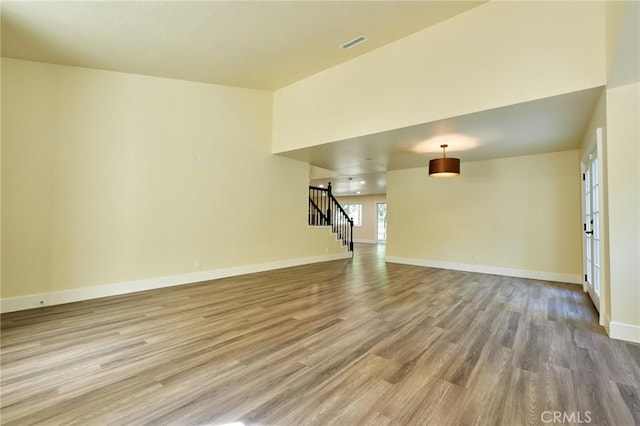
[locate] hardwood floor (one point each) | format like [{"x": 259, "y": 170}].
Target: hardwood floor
[{"x": 350, "y": 342}]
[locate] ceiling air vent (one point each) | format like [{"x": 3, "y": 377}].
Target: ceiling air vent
[{"x": 354, "y": 42}]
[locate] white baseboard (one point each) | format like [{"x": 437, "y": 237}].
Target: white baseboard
[
  {"x": 627, "y": 332},
  {"x": 66, "y": 296},
  {"x": 484, "y": 269},
  {"x": 365, "y": 241}
]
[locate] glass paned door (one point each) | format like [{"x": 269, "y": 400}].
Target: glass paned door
[
  {"x": 381, "y": 222},
  {"x": 591, "y": 226}
]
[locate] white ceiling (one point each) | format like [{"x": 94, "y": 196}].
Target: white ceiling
[
  {"x": 271, "y": 44},
  {"x": 256, "y": 44}
]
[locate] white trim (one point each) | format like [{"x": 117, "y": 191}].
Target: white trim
[
  {"x": 605, "y": 321},
  {"x": 365, "y": 241},
  {"x": 595, "y": 145},
  {"x": 627, "y": 332},
  {"x": 582, "y": 218},
  {"x": 66, "y": 296},
  {"x": 375, "y": 220},
  {"x": 484, "y": 269}
]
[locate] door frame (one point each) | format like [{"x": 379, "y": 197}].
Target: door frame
[
  {"x": 595, "y": 146},
  {"x": 385, "y": 221}
]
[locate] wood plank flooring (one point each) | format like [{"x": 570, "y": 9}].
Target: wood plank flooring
[{"x": 350, "y": 342}]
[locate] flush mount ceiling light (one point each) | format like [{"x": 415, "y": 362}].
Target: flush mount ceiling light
[
  {"x": 354, "y": 42},
  {"x": 444, "y": 167}
]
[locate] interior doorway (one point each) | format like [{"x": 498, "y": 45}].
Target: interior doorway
[
  {"x": 592, "y": 218},
  {"x": 381, "y": 222}
]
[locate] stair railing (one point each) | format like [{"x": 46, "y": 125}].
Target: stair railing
[{"x": 325, "y": 210}]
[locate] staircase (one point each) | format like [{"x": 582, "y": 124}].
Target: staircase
[{"x": 324, "y": 210}]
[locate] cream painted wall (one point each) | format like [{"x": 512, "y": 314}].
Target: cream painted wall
[
  {"x": 496, "y": 54},
  {"x": 623, "y": 163},
  {"x": 622, "y": 42},
  {"x": 614, "y": 18},
  {"x": 521, "y": 213},
  {"x": 104, "y": 180},
  {"x": 367, "y": 232},
  {"x": 0, "y": 180}
]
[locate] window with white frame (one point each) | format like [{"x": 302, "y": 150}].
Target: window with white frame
[{"x": 355, "y": 212}]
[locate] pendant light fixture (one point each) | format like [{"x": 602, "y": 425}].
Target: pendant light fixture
[{"x": 444, "y": 167}]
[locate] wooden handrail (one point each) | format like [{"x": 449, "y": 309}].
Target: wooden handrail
[
  {"x": 321, "y": 200},
  {"x": 317, "y": 209},
  {"x": 341, "y": 209}
]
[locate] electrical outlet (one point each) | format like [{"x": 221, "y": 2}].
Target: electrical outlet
[
  {"x": 198, "y": 263},
  {"x": 477, "y": 259}
]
